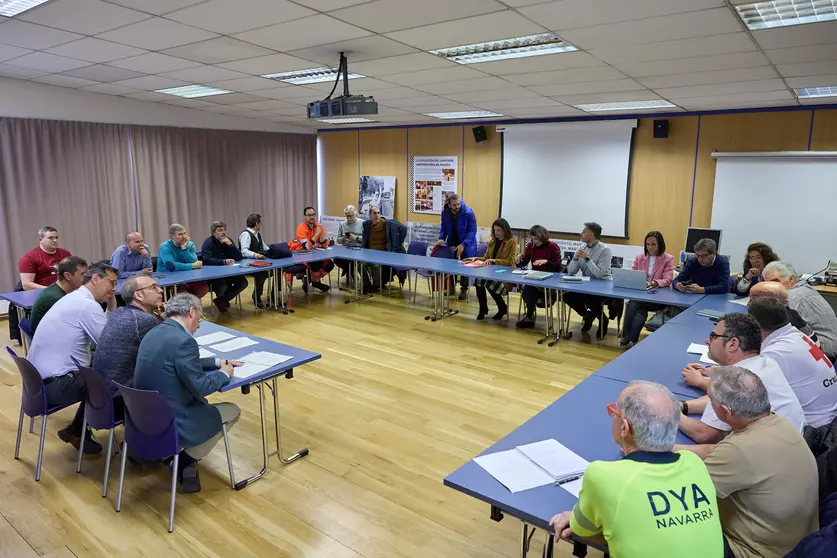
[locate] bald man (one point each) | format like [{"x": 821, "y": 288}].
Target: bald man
[
  {"x": 132, "y": 258},
  {"x": 773, "y": 289}
]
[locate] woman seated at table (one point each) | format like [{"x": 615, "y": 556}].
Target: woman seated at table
[
  {"x": 502, "y": 250},
  {"x": 544, "y": 256},
  {"x": 659, "y": 272},
  {"x": 759, "y": 255}
]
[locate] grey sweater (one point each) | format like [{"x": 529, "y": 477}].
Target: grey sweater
[
  {"x": 355, "y": 228},
  {"x": 597, "y": 267},
  {"x": 116, "y": 353}
]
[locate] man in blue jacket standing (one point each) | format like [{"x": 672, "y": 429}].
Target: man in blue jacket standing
[
  {"x": 706, "y": 272},
  {"x": 218, "y": 249},
  {"x": 459, "y": 231}
]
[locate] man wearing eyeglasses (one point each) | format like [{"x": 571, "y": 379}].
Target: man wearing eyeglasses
[
  {"x": 311, "y": 235},
  {"x": 735, "y": 341},
  {"x": 707, "y": 272},
  {"x": 655, "y": 501},
  {"x": 116, "y": 353},
  {"x": 68, "y": 331}
]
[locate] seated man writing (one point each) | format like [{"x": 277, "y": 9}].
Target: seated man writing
[
  {"x": 656, "y": 502},
  {"x": 218, "y": 249}
]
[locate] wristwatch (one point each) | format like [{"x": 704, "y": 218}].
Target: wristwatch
[{"x": 684, "y": 407}]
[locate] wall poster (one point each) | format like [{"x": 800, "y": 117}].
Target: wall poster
[{"x": 432, "y": 181}]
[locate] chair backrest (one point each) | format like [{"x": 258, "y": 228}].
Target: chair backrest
[
  {"x": 417, "y": 248},
  {"x": 99, "y": 402},
  {"x": 443, "y": 252},
  {"x": 150, "y": 428},
  {"x": 34, "y": 398},
  {"x": 24, "y": 326},
  {"x": 481, "y": 250}
]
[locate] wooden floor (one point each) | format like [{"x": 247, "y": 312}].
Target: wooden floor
[{"x": 395, "y": 404}]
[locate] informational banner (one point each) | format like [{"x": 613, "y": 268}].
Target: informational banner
[
  {"x": 623, "y": 254},
  {"x": 432, "y": 181},
  {"x": 423, "y": 232},
  {"x": 376, "y": 191},
  {"x": 331, "y": 223}
]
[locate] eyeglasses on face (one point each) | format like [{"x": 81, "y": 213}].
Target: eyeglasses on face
[
  {"x": 703, "y": 256},
  {"x": 612, "y": 412},
  {"x": 713, "y": 336},
  {"x": 152, "y": 286},
  {"x": 310, "y": 214}
]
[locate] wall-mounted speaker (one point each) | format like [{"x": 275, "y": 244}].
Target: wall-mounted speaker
[
  {"x": 660, "y": 129},
  {"x": 479, "y": 134}
]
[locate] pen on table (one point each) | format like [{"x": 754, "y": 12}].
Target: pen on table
[{"x": 571, "y": 479}]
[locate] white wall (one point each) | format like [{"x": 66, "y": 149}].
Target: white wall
[{"x": 26, "y": 99}]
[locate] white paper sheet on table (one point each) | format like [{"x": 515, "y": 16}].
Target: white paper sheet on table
[
  {"x": 573, "y": 487},
  {"x": 741, "y": 301},
  {"x": 249, "y": 369},
  {"x": 555, "y": 458},
  {"x": 234, "y": 344},
  {"x": 514, "y": 470},
  {"x": 703, "y": 351},
  {"x": 211, "y": 338},
  {"x": 265, "y": 357},
  {"x": 203, "y": 353}
]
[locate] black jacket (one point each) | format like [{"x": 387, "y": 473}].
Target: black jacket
[
  {"x": 214, "y": 253},
  {"x": 396, "y": 235}
]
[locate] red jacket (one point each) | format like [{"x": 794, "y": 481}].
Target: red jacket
[{"x": 549, "y": 252}]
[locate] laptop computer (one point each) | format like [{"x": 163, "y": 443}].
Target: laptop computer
[{"x": 628, "y": 278}]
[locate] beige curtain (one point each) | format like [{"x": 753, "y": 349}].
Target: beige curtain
[
  {"x": 75, "y": 176},
  {"x": 193, "y": 177}
]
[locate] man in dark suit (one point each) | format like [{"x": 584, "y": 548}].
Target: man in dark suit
[
  {"x": 168, "y": 361},
  {"x": 382, "y": 234},
  {"x": 219, "y": 249}
]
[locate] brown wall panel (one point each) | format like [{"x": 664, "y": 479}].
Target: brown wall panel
[
  {"x": 339, "y": 168},
  {"x": 824, "y": 136},
  {"x": 481, "y": 175},
  {"x": 384, "y": 153}
]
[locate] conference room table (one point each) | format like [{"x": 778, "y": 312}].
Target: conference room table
[{"x": 265, "y": 379}]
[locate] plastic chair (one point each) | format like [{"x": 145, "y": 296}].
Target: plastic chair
[
  {"x": 415, "y": 248},
  {"x": 98, "y": 414},
  {"x": 481, "y": 250},
  {"x": 23, "y": 325},
  {"x": 33, "y": 403},
  {"x": 441, "y": 252}
]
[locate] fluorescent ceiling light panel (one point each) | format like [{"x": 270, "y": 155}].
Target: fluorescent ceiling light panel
[
  {"x": 193, "y": 91},
  {"x": 625, "y": 105},
  {"x": 11, "y": 8},
  {"x": 345, "y": 120},
  {"x": 464, "y": 114},
  {"x": 519, "y": 47},
  {"x": 781, "y": 13},
  {"x": 816, "y": 92},
  {"x": 313, "y": 75}
]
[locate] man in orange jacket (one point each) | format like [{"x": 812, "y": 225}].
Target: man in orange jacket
[{"x": 310, "y": 235}]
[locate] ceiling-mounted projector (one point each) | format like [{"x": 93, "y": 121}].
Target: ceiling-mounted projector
[{"x": 344, "y": 105}]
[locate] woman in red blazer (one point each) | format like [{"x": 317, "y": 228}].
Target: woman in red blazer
[{"x": 659, "y": 272}]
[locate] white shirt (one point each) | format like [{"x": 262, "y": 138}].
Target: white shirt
[
  {"x": 650, "y": 272},
  {"x": 68, "y": 329},
  {"x": 808, "y": 371},
  {"x": 244, "y": 242},
  {"x": 783, "y": 401}
]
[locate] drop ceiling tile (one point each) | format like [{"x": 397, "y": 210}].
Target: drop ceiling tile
[
  {"x": 519, "y": 104},
  {"x": 619, "y": 97},
  {"x": 246, "y": 84},
  {"x": 189, "y": 103},
  {"x": 359, "y": 86},
  {"x": 493, "y": 95},
  {"x": 267, "y": 105},
  {"x": 521, "y": 3},
  {"x": 64, "y": 81},
  {"x": 400, "y": 64},
  {"x": 233, "y": 99},
  {"x": 811, "y": 53},
  {"x": 734, "y": 99},
  {"x": 270, "y": 64},
  {"x": 152, "y": 83},
  {"x": 571, "y": 14},
  {"x": 389, "y": 111},
  {"x": 291, "y": 94},
  {"x": 226, "y": 109},
  {"x": 698, "y": 64},
  {"x": 383, "y": 95},
  {"x": 204, "y": 74},
  {"x": 787, "y": 70},
  {"x": 682, "y": 48},
  {"x": 413, "y": 104},
  {"x": 7, "y": 52},
  {"x": 154, "y": 63},
  {"x": 441, "y": 75},
  {"x": 303, "y": 33},
  {"x": 411, "y": 119},
  {"x": 234, "y": 16},
  {"x": 95, "y": 50},
  {"x": 383, "y": 16},
  {"x": 488, "y": 27},
  {"x": 707, "y": 78},
  {"x": 545, "y": 63},
  {"x": 607, "y": 86},
  {"x": 598, "y": 73},
  {"x": 813, "y": 81},
  {"x": 111, "y": 89},
  {"x": 103, "y": 73},
  {"x": 680, "y": 26},
  {"x": 671, "y": 93},
  {"x": 87, "y": 17},
  {"x": 816, "y": 101},
  {"x": 51, "y": 63},
  {"x": 559, "y": 110},
  {"x": 294, "y": 111},
  {"x": 797, "y": 35},
  {"x": 157, "y": 7},
  {"x": 464, "y": 86},
  {"x": 445, "y": 107},
  {"x": 329, "y": 5},
  {"x": 357, "y": 50},
  {"x": 19, "y": 73},
  {"x": 157, "y": 34},
  {"x": 36, "y": 37},
  {"x": 215, "y": 51}
]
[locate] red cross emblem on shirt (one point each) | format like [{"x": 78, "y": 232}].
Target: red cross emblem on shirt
[{"x": 816, "y": 352}]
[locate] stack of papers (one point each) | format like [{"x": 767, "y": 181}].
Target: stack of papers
[
  {"x": 264, "y": 357},
  {"x": 741, "y": 301},
  {"x": 702, "y": 350},
  {"x": 234, "y": 344},
  {"x": 537, "y": 464},
  {"x": 211, "y": 338}
]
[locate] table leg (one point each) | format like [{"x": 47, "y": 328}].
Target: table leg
[
  {"x": 549, "y": 547},
  {"x": 549, "y": 333},
  {"x": 279, "y": 293},
  {"x": 525, "y": 539},
  {"x": 358, "y": 271},
  {"x": 301, "y": 453},
  {"x": 241, "y": 484}
]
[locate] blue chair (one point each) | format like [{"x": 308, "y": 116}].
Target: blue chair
[
  {"x": 23, "y": 324},
  {"x": 415, "y": 248},
  {"x": 441, "y": 252},
  {"x": 33, "y": 404},
  {"x": 98, "y": 414},
  {"x": 151, "y": 433},
  {"x": 481, "y": 250}
]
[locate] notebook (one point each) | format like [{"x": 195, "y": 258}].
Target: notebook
[
  {"x": 533, "y": 465},
  {"x": 537, "y": 275}
]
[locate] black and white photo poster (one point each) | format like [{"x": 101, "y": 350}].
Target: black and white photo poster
[{"x": 378, "y": 191}]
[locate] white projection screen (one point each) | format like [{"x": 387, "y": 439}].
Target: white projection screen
[
  {"x": 561, "y": 175},
  {"x": 784, "y": 199}
]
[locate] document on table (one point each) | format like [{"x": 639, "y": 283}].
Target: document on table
[
  {"x": 234, "y": 344},
  {"x": 249, "y": 369},
  {"x": 703, "y": 351},
  {"x": 741, "y": 301},
  {"x": 211, "y": 338},
  {"x": 533, "y": 465},
  {"x": 264, "y": 357},
  {"x": 203, "y": 353}
]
